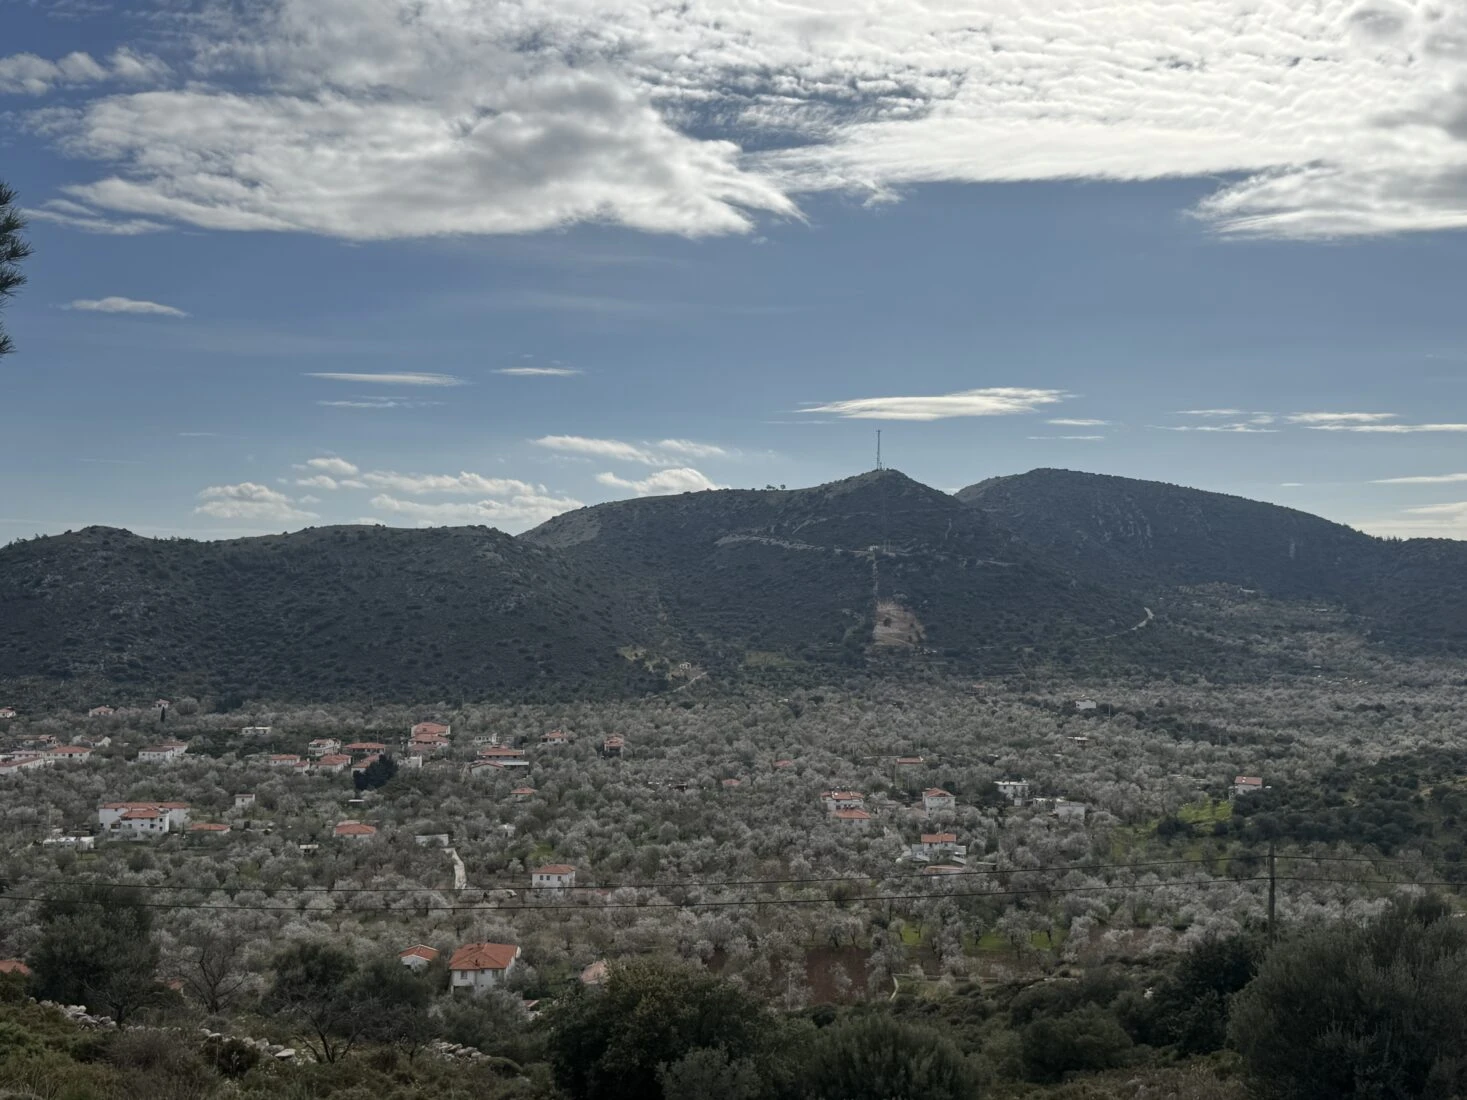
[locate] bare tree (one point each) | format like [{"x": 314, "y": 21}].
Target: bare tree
[{"x": 215, "y": 973}]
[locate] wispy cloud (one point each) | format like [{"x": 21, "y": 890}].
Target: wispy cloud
[
  {"x": 1240, "y": 428},
  {"x": 74, "y": 215},
  {"x": 1423, "y": 479},
  {"x": 540, "y": 372},
  {"x": 401, "y": 378},
  {"x": 463, "y": 482},
  {"x": 1315, "y": 418},
  {"x": 666, "y": 452},
  {"x": 378, "y": 403},
  {"x": 1211, "y": 412},
  {"x": 333, "y": 464},
  {"x": 1389, "y": 429},
  {"x": 123, "y": 305},
  {"x": 30, "y": 74},
  {"x": 515, "y": 512},
  {"x": 997, "y": 401},
  {"x": 1078, "y": 422},
  {"x": 248, "y": 500},
  {"x": 680, "y": 479},
  {"x": 1078, "y": 438}
]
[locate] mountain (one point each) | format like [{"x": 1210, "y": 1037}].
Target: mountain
[
  {"x": 326, "y": 613},
  {"x": 590, "y": 603},
  {"x": 800, "y": 571},
  {"x": 1148, "y": 535}
]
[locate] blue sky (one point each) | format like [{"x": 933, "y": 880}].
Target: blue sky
[{"x": 327, "y": 262}]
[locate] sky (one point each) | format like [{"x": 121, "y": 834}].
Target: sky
[{"x": 417, "y": 262}]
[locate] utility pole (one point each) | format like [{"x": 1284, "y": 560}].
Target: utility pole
[{"x": 1272, "y": 890}]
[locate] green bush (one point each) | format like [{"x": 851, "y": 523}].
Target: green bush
[
  {"x": 1088, "y": 1038},
  {"x": 878, "y": 1058}
]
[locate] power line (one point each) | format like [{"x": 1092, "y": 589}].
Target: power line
[{"x": 775, "y": 902}]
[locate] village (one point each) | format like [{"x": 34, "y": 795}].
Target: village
[{"x": 502, "y": 814}]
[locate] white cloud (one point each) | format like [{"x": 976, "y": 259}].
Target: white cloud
[
  {"x": 320, "y": 481},
  {"x": 681, "y": 479},
  {"x": 331, "y": 464},
  {"x": 74, "y": 215},
  {"x": 1211, "y": 412},
  {"x": 419, "y": 117},
  {"x": 1389, "y": 429},
  {"x": 690, "y": 449},
  {"x": 1077, "y": 422},
  {"x": 540, "y": 372},
  {"x": 29, "y": 74},
  {"x": 517, "y": 512},
  {"x": 1339, "y": 418},
  {"x": 1240, "y": 428},
  {"x": 1423, "y": 479},
  {"x": 378, "y": 403},
  {"x": 601, "y": 448},
  {"x": 402, "y": 378},
  {"x": 1456, "y": 509},
  {"x": 464, "y": 482},
  {"x": 251, "y": 501},
  {"x": 999, "y": 401},
  {"x": 123, "y": 305},
  {"x": 1078, "y": 438}
]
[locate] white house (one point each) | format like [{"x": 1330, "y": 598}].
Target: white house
[
  {"x": 1015, "y": 790},
  {"x": 1247, "y": 784},
  {"x": 1066, "y": 810},
  {"x": 436, "y": 729},
  {"x": 411, "y": 760},
  {"x": 432, "y": 840},
  {"x": 553, "y": 876},
  {"x": 333, "y": 763},
  {"x": 84, "y": 843},
  {"x": 22, "y": 764},
  {"x": 476, "y": 967},
  {"x": 142, "y": 820},
  {"x": 418, "y": 956},
  {"x": 843, "y": 800},
  {"x": 162, "y": 752},
  {"x": 324, "y": 746},
  {"x": 856, "y": 820},
  {"x": 255, "y": 731},
  {"x": 936, "y": 800},
  {"x": 244, "y": 800},
  {"x": 70, "y": 754},
  {"x": 101, "y": 712},
  {"x": 933, "y": 844},
  {"x": 556, "y": 737},
  {"x": 1084, "y": 704},
  {"x": 7, "y": 712},
  {"x": 283, "y": 760}
]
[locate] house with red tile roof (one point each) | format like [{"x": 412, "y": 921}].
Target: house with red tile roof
[
  {"x": 852, "y": 819},
  {"x": 333, "y": 763},
  {"x": 936, "y": 800},
  {"x": 476, "y": 967},
  {"x": 354, "y": 830},
  {"x": 436, "y": 729},
  {"x": 523, "y": 792},
  {"x": 14, "y": 966},
  {"x": 142, "y": 820},
  {"x": 283, "y": 760},
  {"x": 18, "y": 764},
  {"x": 933, "y": 844},
  {"x": 843, "y": 800},
  {"x": 418, "y": 956},
  {"x": 209, "y": 828},
  {"x": 72, "y": 754},
  {"x": 322, "y": 746},
  {"x": 101, "y": 712},
  {"x": 357, "y": 747},
  {"x": 7, "y": 713},
  {"x": 556, "y": 737},
  {"x": 613, "y": 745}
]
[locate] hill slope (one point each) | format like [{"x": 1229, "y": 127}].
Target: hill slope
[
  {"x": 364, "y": 612},
  {"x": 1146, "y": 535},
  {"x": 801, "y": 570}
]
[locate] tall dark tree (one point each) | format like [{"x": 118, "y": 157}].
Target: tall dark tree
[
  {"x": 878, "y": 1058},
  {"x": 611, "y": 1043},
  {"x": 1378, "y": 1010},
  {"x": 376, "y": 774},
  {"x": 97, "y": 949},
  {"x": 13, "y": 249},
  {"x": 314, "y": 990}
]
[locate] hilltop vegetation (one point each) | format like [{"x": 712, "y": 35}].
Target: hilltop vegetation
[{"x": 875, "y": 573}]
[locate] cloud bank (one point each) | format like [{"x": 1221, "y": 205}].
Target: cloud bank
[{"x": 409, "y": 118}]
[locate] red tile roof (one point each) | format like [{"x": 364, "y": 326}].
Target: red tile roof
[
  {"x": 484, "y": 956},
  {"x": 334, "y": 758},
  {"x": 141, "y": 813},
  {"x": 501, "y": 750},
  {"x": 14, "y": 966},
  {"x": 419, "y": 951},
  {"x": 366, "y": 746},
  {"x": 208, "y": 827},
  {"x": 354, "y": 828},
  {"x": 852, "y": 815},
  {"x": 844, "y": 796},
  {"x": 939, "y": 838},
  {"x": 936, "y": 792},
  {"x": 523, "y": 790},
  {"x": 555, "y": 869}
]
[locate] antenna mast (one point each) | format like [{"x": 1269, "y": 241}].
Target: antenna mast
[{"x": 878, "y": 448}]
